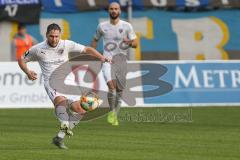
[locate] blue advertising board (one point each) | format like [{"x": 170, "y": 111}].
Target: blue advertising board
[
  {"x": 61, "y": 6},
  {"x": 199, "y": 83}
]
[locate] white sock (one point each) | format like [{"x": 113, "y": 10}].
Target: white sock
[
  {"x": 118, "y": 101},
  {"x": 111, "y": 99},
  {"x": 61, "y": 134},
  {"x": 74, "y": 119},
  {"x": 61, "y": 113}
]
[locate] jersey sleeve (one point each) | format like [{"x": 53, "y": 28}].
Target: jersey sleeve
[
  {"x": 30, "y": 55},
  {"x": 131, "y": 33},
  {"x": 98, "y": 33},
  {"x": 74, "y": 47}
]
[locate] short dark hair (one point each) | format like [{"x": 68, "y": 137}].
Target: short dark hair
[
  {"x": 21, "y": 26},
  {"x": 53, "y": 26}
]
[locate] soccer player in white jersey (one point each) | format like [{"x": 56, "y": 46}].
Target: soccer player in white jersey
[
  {"x": 50, "y": 54},
  {"x": 118, "y": 36}
]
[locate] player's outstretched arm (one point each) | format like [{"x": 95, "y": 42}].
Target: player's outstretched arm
[
  {"x": 31, "y": 74},
  {"x": 96, "y": 54}
]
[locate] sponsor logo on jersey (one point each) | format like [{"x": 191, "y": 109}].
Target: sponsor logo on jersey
[{"x": 42, "y": 52}]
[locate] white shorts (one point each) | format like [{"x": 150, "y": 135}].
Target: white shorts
[
  {"x": 116, "y": 71},
  {"x": 52, "y": 94},
  {"x": 106, "y": 69}
]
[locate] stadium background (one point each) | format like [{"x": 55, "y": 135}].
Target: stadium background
[
  {"x": 183, "y": 31},
  {"x": 196, "y": 40}
]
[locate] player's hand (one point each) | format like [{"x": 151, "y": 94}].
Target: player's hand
[
  {"x": 32, "y": 75},
  {"x": 127, "y": 41},
  {"x": 106, "y": 59}
]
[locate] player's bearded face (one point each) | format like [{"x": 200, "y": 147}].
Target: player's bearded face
[
  {"x": 114, "y": 12},
  {"x": 53, "y": 38}
]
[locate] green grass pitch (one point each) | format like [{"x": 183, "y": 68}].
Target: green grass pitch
[{"x": 211, "y": 133}]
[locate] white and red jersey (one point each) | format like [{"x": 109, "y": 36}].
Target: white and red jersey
[
  {"x": 113, "y": 36},
  {"x": 50, "y": 58}
]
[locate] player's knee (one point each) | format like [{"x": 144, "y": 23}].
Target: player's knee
[
  {"x": 111, "y": 85},
  {"x": 119, "y": 90},
  {"x": 60, "y": 101}
]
